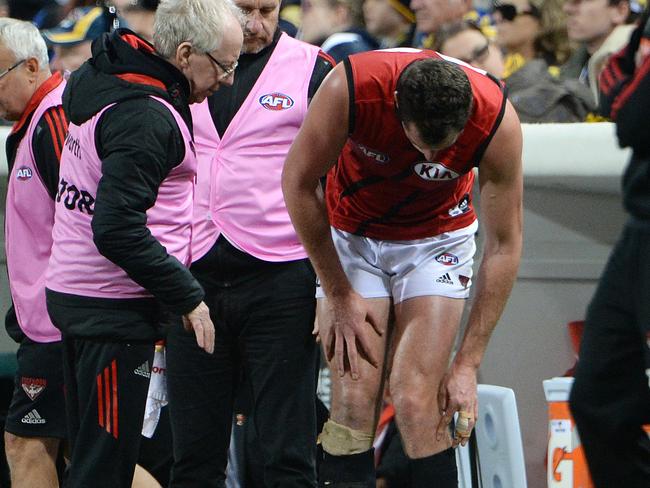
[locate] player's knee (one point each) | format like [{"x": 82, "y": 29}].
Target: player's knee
[
  {"x": 412, "y": 407},
  {"x": 339, "y": 440},
  {"x": 24, "y": 450}
]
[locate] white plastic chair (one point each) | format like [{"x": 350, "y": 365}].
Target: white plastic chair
[{"x": 500, "y": 450}]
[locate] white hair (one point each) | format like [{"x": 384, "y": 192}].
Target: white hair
[
  {"x": 24, "y": 40},
  {"x": 201, "y": 22}
]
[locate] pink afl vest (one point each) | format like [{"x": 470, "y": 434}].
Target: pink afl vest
[
  {"x": 238, "y": 179},
  {"x": 76, "y": 266},
  {"x": 28, "y": 230}
]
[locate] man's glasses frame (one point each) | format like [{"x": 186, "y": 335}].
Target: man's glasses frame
[
  {"x": 227, "y": 70},
  {"x": 10, "y": 69}
]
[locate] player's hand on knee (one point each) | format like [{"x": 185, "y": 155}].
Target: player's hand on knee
[
  {"x": 458, "y": 393},
  {"x": 199, "y": 321},
  {"x": 349, "y": 334}
]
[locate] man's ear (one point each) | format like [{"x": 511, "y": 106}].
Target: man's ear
[
  {"x": 183, "y": 52},
  {"x": 619, "y": 13},
  {"x": 33, "y": 67}
]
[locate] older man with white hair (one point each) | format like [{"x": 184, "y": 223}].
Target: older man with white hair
[
  {"x": 122, "y": 227},
  {"x": 31, "y": 97}
]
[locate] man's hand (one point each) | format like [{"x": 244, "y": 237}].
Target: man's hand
[
  {"x": 350, "y": 327},
  {"x": 458, "y": 393},
  {"x": 199, "y": 321}
]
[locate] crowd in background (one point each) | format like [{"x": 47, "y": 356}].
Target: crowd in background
[{"x": 548, "y": 53}]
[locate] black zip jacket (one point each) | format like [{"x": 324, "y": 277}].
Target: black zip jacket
[{"x": 625, "y": 96}]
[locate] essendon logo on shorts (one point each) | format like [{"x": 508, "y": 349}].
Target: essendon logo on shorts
[
  {"x": 24, "y": 173},
  {"x": 33, "y": 386},
  {"x": 276, "y": 101},
  {"x": 447, "y": 259}
]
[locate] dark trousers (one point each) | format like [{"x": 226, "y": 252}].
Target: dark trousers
[
  {"x": 106, "y": 391},
  {"x": 263, "y": 315},
  {"x": 610, "y": 399}
]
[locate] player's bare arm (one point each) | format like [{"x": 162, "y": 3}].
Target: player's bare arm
[
  {"x": 314, "y": 151},
  {"x": 501, "y": 186}
]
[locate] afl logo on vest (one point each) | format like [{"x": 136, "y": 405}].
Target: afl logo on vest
[
  {"x": 434, "y": 171},
  {"x": 24, "y": 173},
  {"x": 276, "y": 101}
]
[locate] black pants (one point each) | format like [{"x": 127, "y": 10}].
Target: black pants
[
  {"x": 610, "y": 399},
  {"x": 106, "y": 383},
  {"x": 263, "y": 314},
  {"x": 106, "y": 392}
]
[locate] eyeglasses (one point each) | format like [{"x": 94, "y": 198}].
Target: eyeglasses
[
  {"x": 6, "y": 72},
  {"x": 509, "y": 11},
  {"x": 227, "y": 70},
  {"x": 477, "y": 54}
]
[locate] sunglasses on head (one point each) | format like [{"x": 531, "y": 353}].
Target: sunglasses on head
[{"x": 509, "y": 11}]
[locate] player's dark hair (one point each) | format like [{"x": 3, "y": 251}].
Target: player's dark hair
[{"x": 436, "y": 96}]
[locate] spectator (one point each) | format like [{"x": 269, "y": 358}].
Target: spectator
[
  {"x": 534, "y": 39},
  {"x": 121, "y": 235},
  {"x": 72, "y": 38},
  {"x": 43, "y": 13},
  {"x": 465, "y": 41},
  {"x": 610, "y": 399},
  {"x": 336, "y": 26},
  {"x": 392, "y": 22},
  {"x": 600, "y": 28},
  {"x": 431, "y": 15},
  {"x": 290, "y": 14},
  {"x": 139, "y": 16}
]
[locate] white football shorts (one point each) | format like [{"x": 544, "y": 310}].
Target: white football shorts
[{"x": 439, "y": 265}]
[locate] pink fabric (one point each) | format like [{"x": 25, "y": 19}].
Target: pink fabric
[
  {"x": 28, "y": 233},
  {"x": 239, "y": 191},
  {"x": 76, "y": 266}
]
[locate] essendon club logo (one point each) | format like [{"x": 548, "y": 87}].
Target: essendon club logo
[
  {"x": 276, "y": 101},
  {"x": 24, "y": 173},
  {"x": 464, "y": 280},
  {"x": 33, "y": 386}
]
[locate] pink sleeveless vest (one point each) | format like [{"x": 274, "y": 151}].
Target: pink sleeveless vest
[
  {"x": 238, "y": 180},
  {"x": 76, "y": 266},
  {"x": 28, "y": 233}
]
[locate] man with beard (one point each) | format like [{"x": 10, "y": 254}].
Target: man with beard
[{"x": 258, "y": 281}]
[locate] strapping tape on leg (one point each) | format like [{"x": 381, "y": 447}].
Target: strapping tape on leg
[{"x": 339, "y": 440}]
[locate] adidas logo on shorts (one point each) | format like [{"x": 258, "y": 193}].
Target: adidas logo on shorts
[
  {"x": 33, "y": 417},
  {"x": 446, "y": 279},
  {"x": 143, "y": 370}
]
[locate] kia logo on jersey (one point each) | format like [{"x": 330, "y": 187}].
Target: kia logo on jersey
[
  {"x": 434, "y": 171},
  {"x": 24, "y": 173},
  {"x": 276, "y": 101}
]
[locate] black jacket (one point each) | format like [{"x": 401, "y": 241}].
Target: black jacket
[
  {"x": 625, "y": 98},
  {"x": 139, "y": 143}
]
